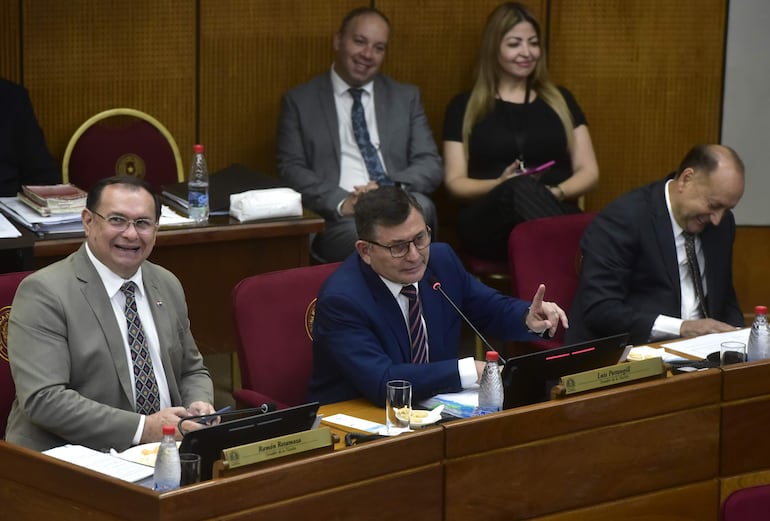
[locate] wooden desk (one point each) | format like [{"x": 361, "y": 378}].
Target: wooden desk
[
  {"x": 660, "y": 449},
  {"x": 745, "y": 419},
  {"x": 209, "y": 261},
  {"x": 374, "y": 482}
]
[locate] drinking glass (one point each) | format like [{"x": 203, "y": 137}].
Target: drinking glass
[
  {"x": 191, "y": 468},
  {"x": 398, "y": 406},
  {"x": 732, "y": 353}
]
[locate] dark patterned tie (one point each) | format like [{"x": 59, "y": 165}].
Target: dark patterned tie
[
  {"x": 692, "y": 264},
  {"x": 147, "y": 394},
  {"x": 416, "y": 327},
  {"x": 361, "y": 133}
]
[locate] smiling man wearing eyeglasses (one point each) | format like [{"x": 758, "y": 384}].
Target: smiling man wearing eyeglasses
[
  {"x": 100, "y": 344},
  {"x": 378, "y": 318}
]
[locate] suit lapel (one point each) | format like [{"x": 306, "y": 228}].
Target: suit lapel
[
  {"x": 329, "y": 110},
  {"x": 381, "y": 107},
  {"x": 664, "y": 233},
  {"x": 392, "y": 316},
  {"x": 713, "y": 253},
  {"x": 164, "y": 325},
  {"x": 96, "y": 296}
]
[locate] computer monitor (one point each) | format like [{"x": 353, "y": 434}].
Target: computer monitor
[
  {"x": 529, "y": 378},
  {"x": 211, "y": 441}
]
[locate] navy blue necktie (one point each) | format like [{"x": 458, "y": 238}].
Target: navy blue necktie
[
  {"x": 416, "y": 327},
  {"x": 692, "y": 264},
  {"x": 147, "y": 393},
  {"x": 361, "y": 133}
]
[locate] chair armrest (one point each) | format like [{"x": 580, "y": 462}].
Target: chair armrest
[{"x": 246, "y": 398}]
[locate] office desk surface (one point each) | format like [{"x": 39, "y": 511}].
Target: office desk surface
[{"x": 210, "y": 260}]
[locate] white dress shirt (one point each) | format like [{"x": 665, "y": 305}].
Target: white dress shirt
[
  {"x": 666, "y": 326},
  {"x": 352, "y": 167},
  {"x": 466, "y": 367},
  {"x": 112, "y": 283}
]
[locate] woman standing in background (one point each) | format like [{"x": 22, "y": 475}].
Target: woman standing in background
[{"x": 513, "y": 122}]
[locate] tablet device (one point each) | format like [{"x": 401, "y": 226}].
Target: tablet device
[
  {"x": 211, "y": 441},
  {"x": 529, "y": 378}
]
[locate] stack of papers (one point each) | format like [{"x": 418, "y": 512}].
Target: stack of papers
[
  {"x": 29, "y": 218},
  {"x": 53, "y": 199},
  {"x": 101, "y": 462},
  {"x": 460, "y": 405},
  {"x": 68, "y": 222}
]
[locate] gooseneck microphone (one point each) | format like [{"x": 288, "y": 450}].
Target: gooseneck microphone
[{"x": 437, "y": 287}]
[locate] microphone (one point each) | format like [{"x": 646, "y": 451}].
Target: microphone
[{"x": 437, "y": 287}]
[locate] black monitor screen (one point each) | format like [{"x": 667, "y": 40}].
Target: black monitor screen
[
  {"x": 529, "y": 378},
  {"x": 211, "y": 441}
]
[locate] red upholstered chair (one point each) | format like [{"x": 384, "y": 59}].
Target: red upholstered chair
[
  {"x": 273, "y": 315},
  {"x": 747, "y": 504},
  {"x": 122, "y": 142},
  {"x": 8, "y": 284},
  {"x": 547, "y": 251}
]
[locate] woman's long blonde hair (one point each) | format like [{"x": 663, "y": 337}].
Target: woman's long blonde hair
[{"x": 482, "y": 98}]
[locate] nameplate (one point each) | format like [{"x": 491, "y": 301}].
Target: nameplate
[
  {"x": 273, "y": 448},
  {"x": 611, "y": 375}
]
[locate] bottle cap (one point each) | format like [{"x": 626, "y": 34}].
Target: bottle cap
[
  {"x": 760, "y": 310},
  {"x": 198, "y": 149},
  {"x": 169, "y": 430},
  {"x": 492, "y": 356}
]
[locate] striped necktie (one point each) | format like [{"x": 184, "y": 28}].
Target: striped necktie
[{"x": 416, "y": 327}]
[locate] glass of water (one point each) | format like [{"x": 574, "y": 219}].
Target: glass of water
[{"x": 398, "y": 406}]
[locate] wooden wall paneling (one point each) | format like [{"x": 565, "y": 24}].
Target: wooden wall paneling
[
  {"x": 85, "y": 56},
  {"x": 647, "y": 77},
  {"x": 10, "y": 46},
  {"x": 251, "y": 52},
  {"x": 435, "y": 45},
  {"x": 750, "y": 254}
]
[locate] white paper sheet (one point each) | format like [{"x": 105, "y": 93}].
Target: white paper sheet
[
  {"x": 101, "y": 462},
  {"x": 702, "y": 346},
  {"x": 7, "y": 230}
]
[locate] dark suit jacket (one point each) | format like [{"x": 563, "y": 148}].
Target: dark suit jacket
[
  {"x": 361, "y": 339},
  {"x": 630, "y": 272},
  {"x": 308, "y": 141},
  {"x": 69, "y": 363},
  {"x": 24, "y": 158}
]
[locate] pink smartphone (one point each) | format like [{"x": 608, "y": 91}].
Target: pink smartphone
[{"x": 540, "y": 168}]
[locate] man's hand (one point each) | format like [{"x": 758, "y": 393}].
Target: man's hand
[
  {"x": 153, "y": 424},
  {"x": 348, "y": 206},
  {"x": 544, "y": 316},
  {"x": 703, "y": 326}
]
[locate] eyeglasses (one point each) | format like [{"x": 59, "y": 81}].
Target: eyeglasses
[
  {"x": 398, "y": 250},
  {"x": 121, "y": 224}
]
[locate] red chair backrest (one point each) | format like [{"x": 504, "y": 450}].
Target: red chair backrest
[
  {"x": 122, "y": 145},
  {"x": 273, "y": 315},
  {"x": 747, "y": 504},
  {"x": 547, "y": 251},
  {"x": 8, "y": 284}
]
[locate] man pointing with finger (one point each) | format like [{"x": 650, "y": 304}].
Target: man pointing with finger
[{"x": 378, "y": 317}]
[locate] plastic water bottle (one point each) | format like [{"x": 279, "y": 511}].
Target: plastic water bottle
[
  {"x": 491, "y": 387},
  {"x": 198, "y": 187},
  {"x": 168, "y": 471},
  {"x": 759, "y": 338}
]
